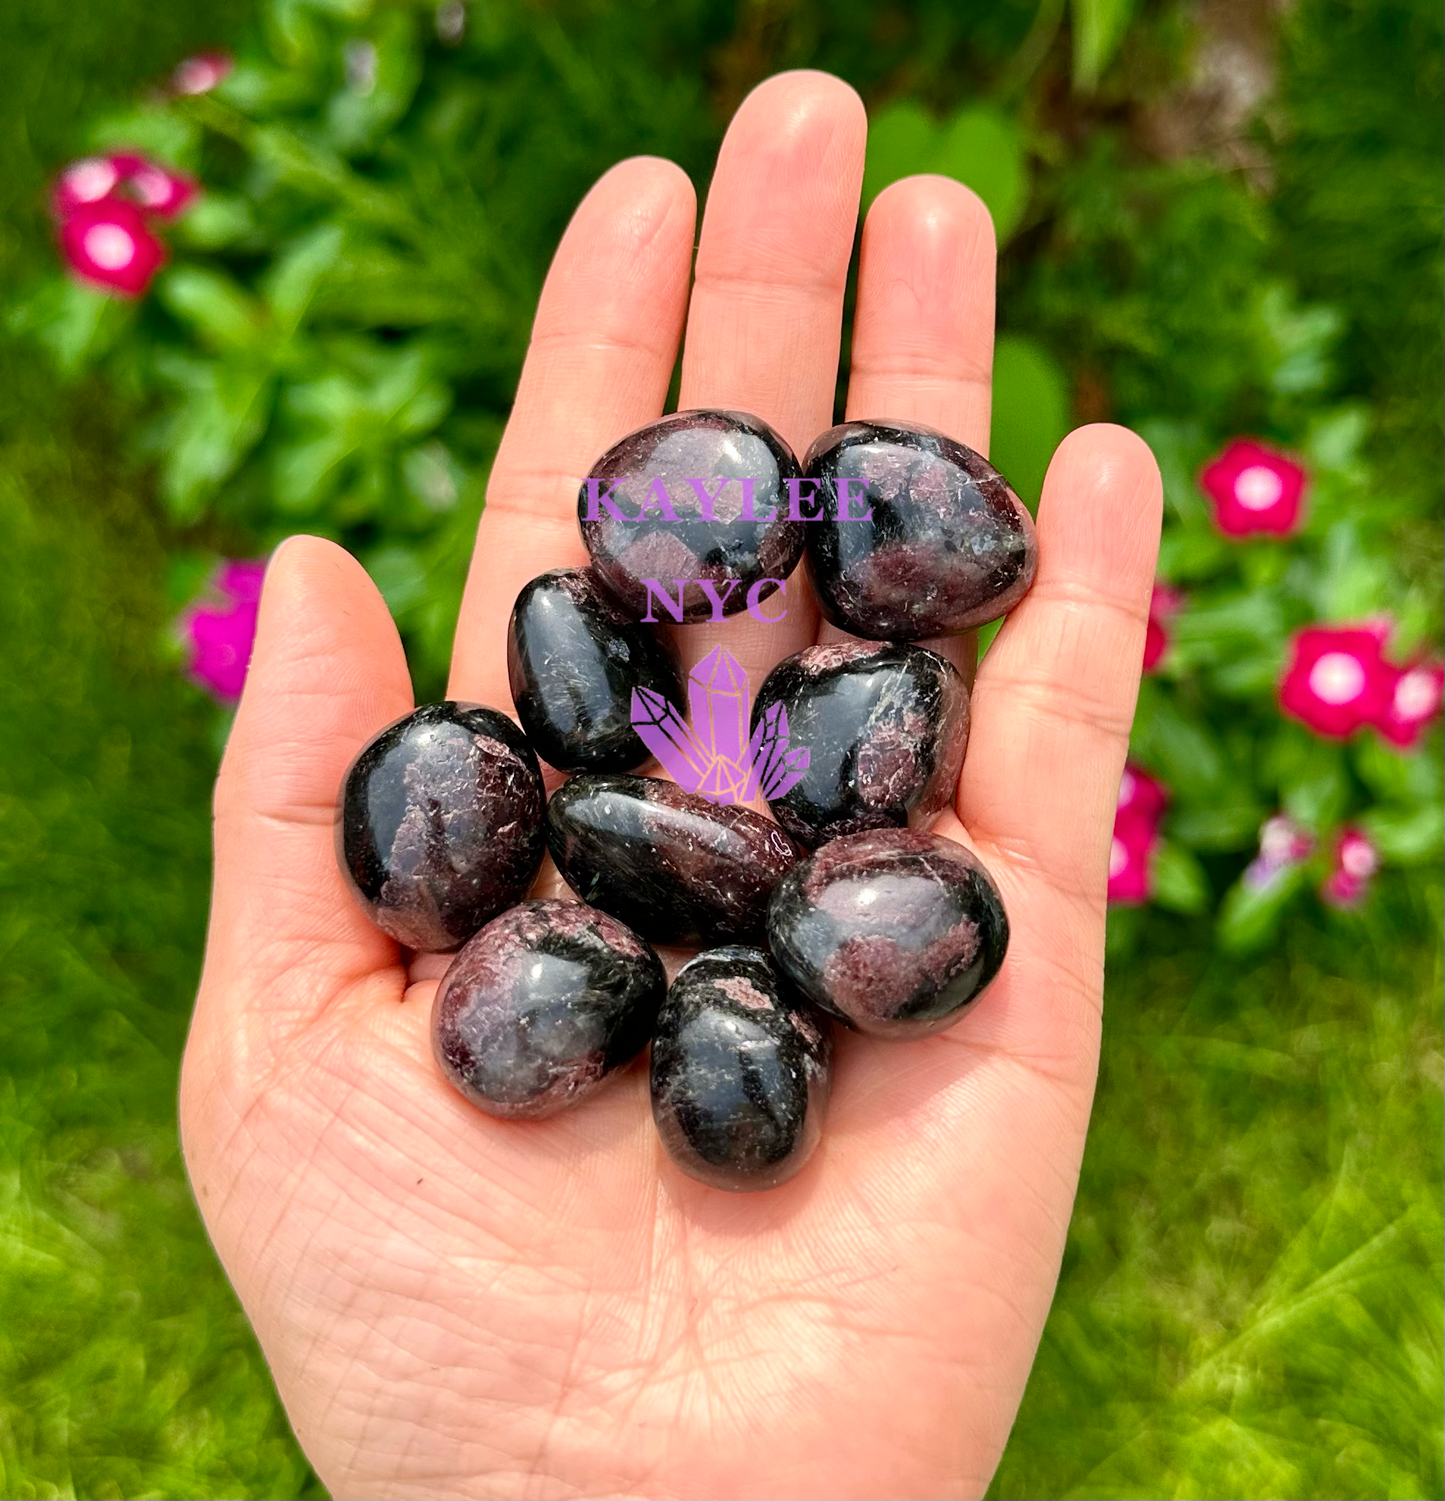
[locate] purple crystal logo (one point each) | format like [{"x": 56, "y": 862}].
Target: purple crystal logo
[{"x": 715, "y": 756}]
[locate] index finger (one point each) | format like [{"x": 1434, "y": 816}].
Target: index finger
[{"x": 603, "y": 346}]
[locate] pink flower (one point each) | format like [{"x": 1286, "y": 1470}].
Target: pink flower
[
  {"x": 201, "y": 73},
  {"x": 1337, "y": 680},
  {"x": 1282, "y": 844},
  {"x": 90, "y": 180},
  {"x": 1254, "y": 489},
  {"x": 157, "y": 189},
  {"x": 1413, "y": 701},
  {"x": 241, "y": 579},
  {"x": 1140, "y": 796},
  {"x": 1164, "y": 603},
  {"x": 1130, "y": 876},
  {"x": 220, "y": 636},
  {"x": 1356, "y": 861},
  {"x": 109, "y": 243},
  {"x": 1136, "y": 832}
]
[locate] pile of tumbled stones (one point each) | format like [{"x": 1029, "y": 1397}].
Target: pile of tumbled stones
[{"x": 841, "y": 907}]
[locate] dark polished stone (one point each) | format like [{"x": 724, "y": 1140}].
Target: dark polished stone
[
  {"x": 440, "y": 823},
  {"x": 885, "y": 728},
  {"x": 542, "y": 1005},
  {"x": 574, "y": 656},
  {"x": 670, "y": 864},
  {"x": 948, "y": 546},
  {"x": 737, "y": 543},
  {"x": 894, "y": 931},
  {"x": 740, "y": 1072}
]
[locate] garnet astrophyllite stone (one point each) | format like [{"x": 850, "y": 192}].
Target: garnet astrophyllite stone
[
  {"x": 574, "y": 656},
  {"x": 672, "y": 865},
  {"x": 885, "y": 727},
  {"x": 895, "y": 931},
  {"x": 542, "y": 1005},
  {"x": 740, "y": 1072},
  {"x": 440, "y": 823},
  {"x": 641, "y": 517},
  {"x": 946, "y": 545}
]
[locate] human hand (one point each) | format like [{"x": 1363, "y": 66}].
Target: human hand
[{"x": 458, "y": 1306}]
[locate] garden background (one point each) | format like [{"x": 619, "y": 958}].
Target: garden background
[{"x": 1219, "y": 220}]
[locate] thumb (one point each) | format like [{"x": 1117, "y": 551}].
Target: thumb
[{"x": 327, "y": 672}]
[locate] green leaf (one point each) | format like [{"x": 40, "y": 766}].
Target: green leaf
[
  {"x": 985, "y": 149},
  {"x": 214, "y": 305},
  {"x": 979, "y": 146},
  {"x": 1180, "y": 884},
  {"x": 292, "y": 281},
  {"x": 76, "y": 322},
  {"x": 386, "y": 69},
  {"x": 1250, "y": 915},
  {"x": 157, "y": 130},
  {"x": 221, "y": 416},
  {"x": 1315, "y": 789},
  {"x": 1218, "y": 826},
  {"x": 1099, "y": 27},
  {"x": 901, "y": 140},
  {"x": 1030, "y": 413},
  {"x": 1407, "y": 836},
  {"x": 400, "y": 575}
]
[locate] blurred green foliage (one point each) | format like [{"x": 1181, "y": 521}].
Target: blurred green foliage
[{"x": 1251, "y": 1298}]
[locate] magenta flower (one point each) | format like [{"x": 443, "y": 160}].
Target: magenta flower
[
  {"x": 1356, "y": 861},
  {"x": 1337, "y": 680},
  {"x": 1140, "y": 796},
  {"x": 1136, "y": 831},
  {"x": 1413, "y": 700},
  {"x": 90, "y": 180},
  {"x": 109, "y": 243},
  {"x": 1283, "y": 844},
  {"x": 220, "y": 636},
  {"x": 201, "y": 73},
  {"x": 1164, "y": 604},
  {"x": 1254, "y": 489},
  {"x": 1131, "y": 878},
  {"x": 157, "y": 189}
]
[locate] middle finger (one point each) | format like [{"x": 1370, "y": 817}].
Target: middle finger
[{"x": 766, "y": 316}]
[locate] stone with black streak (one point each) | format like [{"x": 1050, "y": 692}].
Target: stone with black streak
[
  {"x": 673, "y": 866},
  {"x": 885, "y": 726},
  {"x": 741, "y": 1069}
]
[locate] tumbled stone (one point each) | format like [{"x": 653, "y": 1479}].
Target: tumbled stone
[
  {"x": 946, "y": 545},
  {"x": 542, "y": 1005},
  {"x": 721, "y": 537},
  {"x": 894, "y": 931},
  {"x": 673, "y": 866},
  {"x": 440, "y": 823},
  {"x": 884, "y": 725},
  {"x": 740, "y": 1072},
  {"x": 574, "y": 656}
]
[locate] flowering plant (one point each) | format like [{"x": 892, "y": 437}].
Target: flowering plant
[{"x": 314, "y": 266}]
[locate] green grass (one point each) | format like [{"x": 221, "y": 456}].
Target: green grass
[{"x": 1251, "y": 1299}]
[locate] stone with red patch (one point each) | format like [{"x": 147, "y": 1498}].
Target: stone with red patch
[
  {"x": 731, "y": 530},
  {"x": 885, "y": 726},
  {"x": 944, "y": 545},
  {"x": 894, "y": 931},
  {"x": 440, "y": 823},
  {"x": 741, "y": 1069},
  {"x": 542, "y": 1006}
]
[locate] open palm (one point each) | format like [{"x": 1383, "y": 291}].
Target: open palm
[{"x": 458, "y": 1306}]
